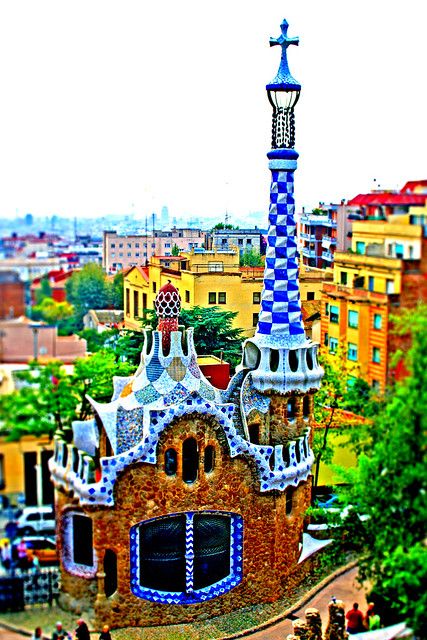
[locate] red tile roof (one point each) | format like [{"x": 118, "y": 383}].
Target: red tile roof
[
  {"x": 391, "y": 199},
  {"x": 412, "y": 185}
]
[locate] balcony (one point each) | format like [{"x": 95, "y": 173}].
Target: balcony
[
  {"x": 328, "y": 241},
  {"x": 331, "y": 223},
  {"x": 308, "y": 236},
  {"x": 308, "y": 253},
  {"x": 327, "y": 255},
  {"x": 352, "y": 293}
]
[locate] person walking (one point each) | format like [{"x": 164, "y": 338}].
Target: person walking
[
  {"x": 354, "y": 619},
  {"x": 38, "y": 633},
  {"x": 105, "y": 633},
  {"x": 82, "y": 631},
  {"x": 60, "y": 633}
]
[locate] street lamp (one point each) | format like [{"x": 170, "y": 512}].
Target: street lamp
[{"x": 283, "y": 93}]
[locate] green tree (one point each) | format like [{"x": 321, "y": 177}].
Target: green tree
[
  {"x": 45, "y": 290},
  {"x": 99, "y": 341},
  {"x": 389, "y": 487},
  {"x": 116, "y": 291},
  {"x": 52, "y": 311},
  {"x": 251, "y": 258},
  {"x": 175, "y": 250},
  {"x": 50, "y": 398},
  {"x": 88, "y": 289},
  {"x": 220, "y": 226},
  {"x": 214, "y": 333}
]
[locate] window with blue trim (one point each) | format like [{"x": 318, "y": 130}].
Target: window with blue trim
[{"x": 186, "y": 557}]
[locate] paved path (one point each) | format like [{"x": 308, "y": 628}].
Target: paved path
[
  {"x": 344, "y": 588},
  {"x": 10, "y": 635}
]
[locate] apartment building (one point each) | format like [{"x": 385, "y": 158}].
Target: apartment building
[
  {"x": 383, "y": 273},
  {"x": 122, "y": 252}
]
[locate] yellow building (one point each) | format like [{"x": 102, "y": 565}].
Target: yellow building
[
  {"x": 369, "y": 283},
  {"x": 207, "y": 278},
  {"x": 24, "y": 473}
]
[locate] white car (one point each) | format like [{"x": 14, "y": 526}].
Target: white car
[{"x": 36, "y": 520}]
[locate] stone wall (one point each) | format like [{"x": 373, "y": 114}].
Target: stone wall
[{"x": 144, "y": 491}]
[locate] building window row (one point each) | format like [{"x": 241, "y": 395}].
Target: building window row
[
  {"x": 190, "y": 460},
  {"x": 212, "y": 297}
]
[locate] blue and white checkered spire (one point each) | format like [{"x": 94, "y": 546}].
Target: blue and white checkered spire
[{"x": 280, "y": 319}]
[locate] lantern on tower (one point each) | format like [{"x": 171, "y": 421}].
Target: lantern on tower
[{"x": 283, "y": 94}]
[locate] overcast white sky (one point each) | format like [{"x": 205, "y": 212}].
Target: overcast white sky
[{"x": 125, "y": 106}]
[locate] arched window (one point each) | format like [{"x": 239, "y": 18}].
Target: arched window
[
  {"x": 209, "y": 458},
  {"x": 274, "y": 359},
  {"x": 291, "y": 408},
  {"x": 186, "y": 557},
  {"x": 171, "y": 458},
  {"x": 82, "y": 540},
  {"x": 289, "y": 500},
  {"x": 190, "y": 460},
  {"x": 293, "y": 360},
  {"x": 254, "y": 433},
  {"x": 306, "y": 406},
  {"x": 78, "y": 554},
  {"x": 110, "y": 570}
]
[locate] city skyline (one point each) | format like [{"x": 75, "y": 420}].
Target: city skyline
[{"x": 122, "y": 110}]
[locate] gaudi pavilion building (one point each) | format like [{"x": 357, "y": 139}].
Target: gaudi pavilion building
[{"x": 178, "y": 499}]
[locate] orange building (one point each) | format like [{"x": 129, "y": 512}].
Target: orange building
[{"x": 385, "y": 272}]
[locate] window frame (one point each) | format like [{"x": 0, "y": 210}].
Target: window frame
[
  {"x": 333, "y": 344},
  {"x": 353, "y": 324},
  {"x": 72, "y": 567},
  {"x": 211, "y": 297},
  {"x": 190, "y": 595},
  {"x": 351, "y": 348},
  {"x": 334, "y": 317},
  {"x": 222, "y": 297},
  {"x": 375, "y": 323},
  {"x": 376, "y": 351}
]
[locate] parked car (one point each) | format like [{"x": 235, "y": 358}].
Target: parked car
[
  {"x": 36, "y": 520},
  {"x": 44, "y": 548}
]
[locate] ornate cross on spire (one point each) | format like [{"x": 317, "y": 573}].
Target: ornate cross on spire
[{"x": 283, "y": 76}]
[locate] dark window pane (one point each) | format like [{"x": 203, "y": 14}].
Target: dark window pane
[
  {"x": 162, "y": 554},
  {"x": 82, "y": 540},
  {"x": 170, "y": 462},
  {"x": 211, "y": 549},
  {"x": 110, "y": 570},
  {"x": 190, "y": 460},
  {"x": 209, "y": 458}
]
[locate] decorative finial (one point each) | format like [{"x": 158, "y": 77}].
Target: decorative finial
[
  {"x": 283, "y": 79},
  {"x": 283, "y": 93},
  {"x": 168, "y": 307}
]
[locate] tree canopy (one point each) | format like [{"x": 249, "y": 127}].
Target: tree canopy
[
  {"x": 251, "y": 258},
  {"x": 49, "y": 398},
  {"x": 389, "y": 488},
  {"x": 90, "y": 288}
]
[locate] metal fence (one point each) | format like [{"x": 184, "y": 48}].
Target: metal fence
[{"x": 28, "y": 588}]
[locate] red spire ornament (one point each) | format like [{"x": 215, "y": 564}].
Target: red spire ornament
[{"x": 168, "y": 307}]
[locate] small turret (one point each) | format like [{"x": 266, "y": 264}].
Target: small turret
[{"x": 168, "y": 307}]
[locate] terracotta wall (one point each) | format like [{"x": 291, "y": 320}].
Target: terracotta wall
[{"x": 271, "y": 537}]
